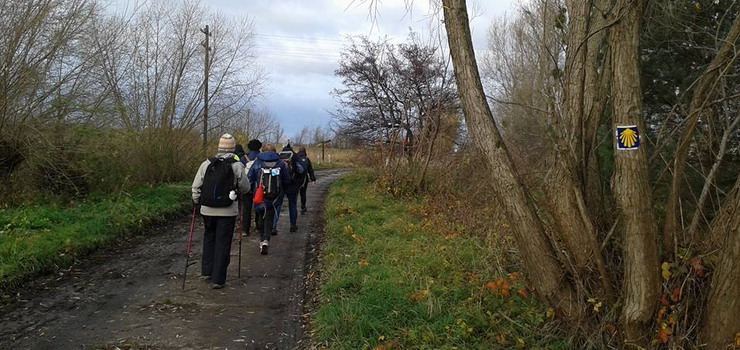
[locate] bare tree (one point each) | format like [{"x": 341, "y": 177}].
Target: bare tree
[{"x": 301, "y": 137}]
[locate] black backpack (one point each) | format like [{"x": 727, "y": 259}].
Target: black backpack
[
  {"x": 217, "y": 183},
  {"x": 301, "y": 165},
  {"x": 270, "y": 180}
]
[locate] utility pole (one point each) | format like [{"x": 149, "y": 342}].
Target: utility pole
[{"x": 207, "y": 47}]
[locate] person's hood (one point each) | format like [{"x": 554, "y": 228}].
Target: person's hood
[
  {"x": 302, "y": 153},
  {"x": 268, "y": 157},
  {"x": 239, "y": 150}
]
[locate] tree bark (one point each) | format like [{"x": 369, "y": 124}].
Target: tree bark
[
  {"x": 631, "y": 186},
  {"x": 542, "y": 268},
  {"x": 705, "y": 88},
  {"x": 565, "y": 186},
  {"x": 597, "y": 83},
  {"x": 722, "y": 323}
]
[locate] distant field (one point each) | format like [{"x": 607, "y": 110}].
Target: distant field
[{"x": 333, "y": 157}]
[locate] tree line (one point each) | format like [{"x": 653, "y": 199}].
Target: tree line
[{"x": 98, "y": 98}]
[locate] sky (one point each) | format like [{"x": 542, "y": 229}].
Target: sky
[{"x": 299, "y": 44}]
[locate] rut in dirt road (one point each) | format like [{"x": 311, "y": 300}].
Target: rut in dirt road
[{"x": 132, "y": 298}]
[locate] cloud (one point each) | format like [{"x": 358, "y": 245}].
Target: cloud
[{"x": 298, "y": 43}]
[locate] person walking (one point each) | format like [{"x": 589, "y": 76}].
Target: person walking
[
  {"x": 215, "y": 188},
  {"x": 271, "y": 176},
  {"x": 291, "y": 191},
  {"x": 247, "y": 199},
  {"x": 305, "y": 177}
]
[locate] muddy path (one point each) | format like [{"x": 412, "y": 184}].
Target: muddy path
[{"x": 131, "y": 297}]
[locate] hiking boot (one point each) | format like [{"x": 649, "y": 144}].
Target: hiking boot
[
  {"x": 217, "y": 286},
  {"x": 293, "y": 228},
  {"x": 303, "y": 211},
  {"x": 204, "y": 278},
  {"x": 274, "y": 232},
  {"x": 263, "y": 248}
]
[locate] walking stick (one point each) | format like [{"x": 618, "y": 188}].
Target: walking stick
[
  {"x": 239, "y": 232},
  {"x": 187, "y": 250}
]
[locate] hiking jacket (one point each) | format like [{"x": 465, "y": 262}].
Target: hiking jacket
[
  {"x": 240, "y": 182},
  {"x": 256, "y": 171},
  {"x": 308, "y": 173}
]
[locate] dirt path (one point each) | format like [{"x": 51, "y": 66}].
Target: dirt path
[{"x": 132, "y": 298}]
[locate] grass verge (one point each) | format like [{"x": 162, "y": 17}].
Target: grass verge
[
  {"x": 390, "y": 281},
  {"x": 38, "y": 239}
]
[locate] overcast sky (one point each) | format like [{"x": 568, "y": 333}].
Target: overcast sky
[{"x": 299, "y": 43}]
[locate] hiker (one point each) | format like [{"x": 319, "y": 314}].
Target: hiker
[
  {"x": 216, "y": 186},
  {"x": 249, "y": 158},
  {"x": 240, "y": 154},
  {"x": 271, "y": 175},
  {"x": 291, "y": 191},
  {"x": 304, "y": 177}
]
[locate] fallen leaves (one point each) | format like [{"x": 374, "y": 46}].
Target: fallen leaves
[
  {"x": 420, "y": 296},
  {"x": 697, "y": 266},
  {"x": 388, "y": 345},
  {"x": 596, "y": 303},
  {"x": 664, "y": 332},
  {"x": 499, "y": 287}
]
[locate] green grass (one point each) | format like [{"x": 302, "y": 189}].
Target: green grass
[
  {"x": 334, "y": 165},
  {"x": 388, "y": 279},
  {"x": 37, "y": 239}
]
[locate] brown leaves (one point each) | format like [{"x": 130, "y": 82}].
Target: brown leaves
[
  {"x": 503, "y": 286},
  {"x": 388, "y": 345},
  {"x": 676, "y": 294},
  {"x": 697, "y": 266},
  {"x": 499, "y": 287},
  {"x": 664, "y": 333},
  {"x": 420, "y": 296}
]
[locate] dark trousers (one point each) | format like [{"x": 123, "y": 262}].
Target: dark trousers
[
  {"x": 303, "y": 195},
  {"x": 247, "y": 212},
  {"x": 219, "y": 231},
  {"x": 266, "y": 221},
  {"x": 293, "y": 208}
]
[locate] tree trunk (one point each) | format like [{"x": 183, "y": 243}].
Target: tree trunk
[
  {"x": 705, "y": 88},
  {"x": 598, "y": 75},
  {"x": 722, "y": 324},
  {"x": 542, "y": 268},
  {"x": 631, "y": 186},
  {"x": 565, "y": 186}
]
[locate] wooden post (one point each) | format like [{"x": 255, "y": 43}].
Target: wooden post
[{"x": 207, "y": 47}]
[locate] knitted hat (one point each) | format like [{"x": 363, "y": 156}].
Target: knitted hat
[
  {"x": 254, "y": 145},
  {"x": 226, "y": 143}
]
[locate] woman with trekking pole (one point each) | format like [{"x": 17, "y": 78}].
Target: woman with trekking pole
[{"x": 216, "y": 187}]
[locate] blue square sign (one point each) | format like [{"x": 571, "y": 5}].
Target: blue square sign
[{"x": 628, "y": 137}]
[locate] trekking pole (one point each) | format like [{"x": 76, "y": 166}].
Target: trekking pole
[
  {"x": 239, "y": 232},
  {"x": 187, "y": 250}
]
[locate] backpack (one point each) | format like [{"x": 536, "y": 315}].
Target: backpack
[
  {"x": 270, "y": 181},
  {"x": 289, "y": 158},
  {"x": 217, "y": 183},
  {"x": 301, "y": 165}
]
